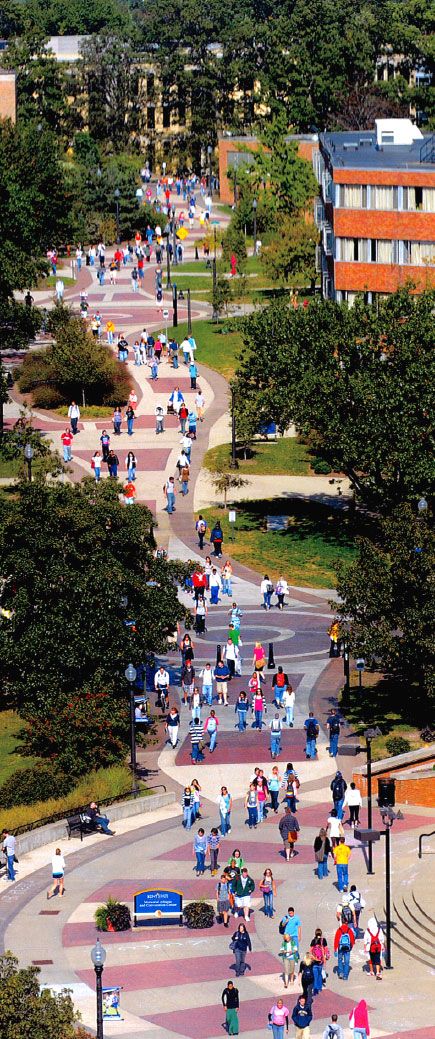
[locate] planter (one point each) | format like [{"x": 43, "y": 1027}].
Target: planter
[{"x": 198, "y": 915}]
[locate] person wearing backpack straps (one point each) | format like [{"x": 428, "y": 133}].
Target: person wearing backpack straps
[
  {"x": 374, "y": 945},
  {"x": 344, "y": 942},
  {"x": 322, "y": 849},
  {"x": 345, "y": 912},
  {"x": 311, "y": 727},
  {"x": 338, "y": 788},
  {"x": 333, "y": 1030}
]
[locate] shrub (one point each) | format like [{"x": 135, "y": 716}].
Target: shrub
[
  {"x": 320, "y": 467},
  {"x": 33, "y": 372},
  {"x": 73, "y": 737},
  {"x": 397, "y": 745},
  {"x": 34, "y": 784},
  {"x": 198, "y": 915},
  {"x": 47, "y": 397},
  {"x": 113, "y": 915}
]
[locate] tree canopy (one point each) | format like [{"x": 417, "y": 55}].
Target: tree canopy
[
  {"x": 26, "y": 1009},
  {"x": 359, "y": 380}
]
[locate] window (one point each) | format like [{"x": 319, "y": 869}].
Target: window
[
  {"x": 151, "y": 117},
  {"x": 429, "y": 200},
  {"x": 319, "y": 212},
  {"x": 352, "y": 250},
  {"x": 384, "y": 197},
  {"x": 328, "y": 240},
  {"x": 419, "y": 198},
  {"x": 384, "y": 250},
  {"x": 166, "y": 116},
  {"x": 150, "y": 86},
  {"x": 419, "y": 254}
]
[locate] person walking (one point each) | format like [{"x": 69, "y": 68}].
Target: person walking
[
  {"x": 196, "y": 740},
  {"x": 307, "y": 977},
  {"x": 117, "y": 421},
  {"x": 251, "y": 805},
  {"x": 58, "y": 874},
  {"x": 319, "y": 955},
  {"x": 216, "y": 539},
  {"x": 268, "y": 890},
  {"x": 196, "y": 791},
  {"x": 288, "y": 955},
  {"x": 353, "y": 801},
  {"x": 357, "y": 904},
  {"x": 225, "y": 808},
  {"x": 243, "y": 889},
  {"x": 105, "y": 444},
  {"x": 322, "y": 849},
  {"x": 259, "y": 660},
  {"x": 223, "y": 899},
  {"x": 199, "y": 851},
  {"x": 67, "y": 439},
  {"x": 280, "y": 683},
  {"x": 232, "y": 657},
  {"x": 275, "y": 727},
  {"x": 266, "y": 589},
  {"x": 278, "y": 1017},
  {"x": 274, "y": 783},
  {"x": 112, "y": 464},
  {"x": 130, "y": 465},
  {"x": 184, "y": 478},
  {"x": 201, "y": 611},
  {"x": 333, "y": 1030},
  {"x": 302, "y": 1017},
  {"x": 129, "y": 491},
  {"x": 129, "y": 414},
  {"x": 187, "y": 683},
  {"x": 359, "y": 1020},
  {"x": 292, "y": 785},
  {"x": 215, "y": 587},
  {"x": 374, "y": 946},
  {"x": 172, "y": 726},
  {"x": 241, "y": 945},
  {"x": 207, "y": 684},
  {"x": 335, "y": 828},
  {"x": 74, "y": 416},
  {"x": 288, "y": 703},
  {"x": 201, "y": 530},
  {"x": 230, "y": 1000},
  {"x": 291, "y": 924},
  {"x": 338, "y": 788},
  {"x": 8, "y": 846},
  {"x": 311, "y": 727},
  {"x": 344, "y": 942},
  {"x": 159, "y": 413},
  {"x": 211, "y": 728},
  {"x": 258, "y": 707},
  {"x": 333, "y": 724},
  {"x": 227, "y": 573},
  {"x": 221, "y": 675},
  {"x": 289, "y": 828},
  {"x": 213, "y": 841},
  {"x": 96, "y": 461},
  {"x": 241, "y": 709},
  {"x": 260, "y": 782},
  {"x": 281, "y": 590},
  {"x": 342, "y": 854},
  {"x": 187, "y": 806},
  {"x": 169, "y": 492}
]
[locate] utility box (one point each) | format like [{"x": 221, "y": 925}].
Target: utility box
[{"x": 386, "y": 793}]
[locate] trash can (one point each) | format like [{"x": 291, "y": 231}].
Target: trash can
[{"x": 386, "y": 793}]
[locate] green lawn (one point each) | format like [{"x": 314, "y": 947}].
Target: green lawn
[
  {"x": 218, "y": 351},
  {"x": 91, "y": 412},
  {"x": 286, "y": 455},
  {"x": 50, "y": 281},
  {"x": 305, "y": 553},
  {"x": 395, "y": 710},
  {"x": 10, "y": 761},
  {"x": 9, "y": 467}
]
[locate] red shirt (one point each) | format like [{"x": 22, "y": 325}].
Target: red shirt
[{"x": 67, "y": 439}]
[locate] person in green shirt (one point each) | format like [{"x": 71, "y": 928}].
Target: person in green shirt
[
  {"x": 234, "y": 635},
  {"x": 288, "y": 955}
]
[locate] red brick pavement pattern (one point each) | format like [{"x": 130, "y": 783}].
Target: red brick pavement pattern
[
  {"x": 166, "y": 974},
  {"x": 249, "y": 746},
  {"x": 168, "y": 383},
  {"x": 148, "y": 459},
  {"x": 143, "y": 422},
  {"x": 252, "y": 851},
  {"x": 194, "y": 887},
  {"x": 84, "y": 933},
  {"x": 204, "y": 1022}
]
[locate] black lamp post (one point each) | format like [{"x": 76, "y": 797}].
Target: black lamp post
[
  {"x": 130, "y": 674},
  {"x": 209, "y": 153},
  {"x": 346, "y": 664},
  {"x": 117, "y": 194},
  {"x": 234, "y": 462},
  {"x": 370, "y": 734},
  {"x": 189, "y": 314},
  {"x": 28, "y": 454},
  {"x": 174, "y": 239},
  {"x": 98, "y": 956},
  {"x": 388, "y": 817},
  {"x": 168, "y": 261},
  {"x": 254, "y": 206}
]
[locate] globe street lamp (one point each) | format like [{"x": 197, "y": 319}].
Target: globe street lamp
[
  {"x": 98, "y": 956},
  {"x": 28, "y": 454},
  {"x": 117, "y": 194},
  {"x": 422, "y": 506},
  {"x": 130, "y": 674}
]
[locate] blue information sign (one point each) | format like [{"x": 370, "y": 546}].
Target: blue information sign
[{"x": 158, "y": 904}]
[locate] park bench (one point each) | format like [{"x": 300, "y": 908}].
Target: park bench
[{"x": 79, "y": 823}]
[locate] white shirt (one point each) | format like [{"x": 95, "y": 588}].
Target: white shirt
[
  {"x": 353, "y": 797},
  {"x": 334, "y": 826},
  {"x": 73, "y": 411},
  {"x": 289, "y": 698},
  {"x": 264, "y": 586},
  {"x": 9, "y": 844},
  {"x": 58, "y": 864},
  {"x": 186, "y": 443},
  {"x": 207, "y": 676},
  {"x": 231, "y": 652},
  {"x": 275, "y": 725},
  {"x": 199, "y": 400},
  {"x": 215, "y": 581},
  {"x": 161, "y": 680}
]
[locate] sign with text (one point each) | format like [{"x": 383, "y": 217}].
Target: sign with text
[{"x": 154, "y": 905}]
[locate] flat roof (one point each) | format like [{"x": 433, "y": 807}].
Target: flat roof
[{"x": 358, "y": 151}]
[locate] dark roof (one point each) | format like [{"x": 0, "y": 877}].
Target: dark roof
[{"x": 358, "y": 151}]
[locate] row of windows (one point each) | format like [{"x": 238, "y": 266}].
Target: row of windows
[
  {"x": 384, "y": 197},
  {"x": 385, "y": 250},
  {"x": 178, "y": 116}
]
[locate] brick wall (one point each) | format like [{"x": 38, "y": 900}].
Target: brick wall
[
  {"x": 370, "y": 223},
  {"x": 412, "y": 787},
  {"x": 8, "y": 103},
  {"x": 411, "y": 178},
  {"x": 228, "y": 144},
  {"x": 379, "y": 277}
]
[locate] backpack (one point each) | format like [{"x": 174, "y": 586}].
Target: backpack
[
  {"x": 338, "y": 789},
  {"x": 334, "y": 728},
  {"x": 344, "y": 945},
  {"x": 270, "y": 588},
  {"x": 282, "y": 924},
  {"x": 276, "y": 726},
  {"x": 280, "y": 680},
  {"x": 201, "y": 527},
  {"x": 346, "y": 915},
  {"x": 375, "y": 945},
  {"x": 312, "y": 730}
]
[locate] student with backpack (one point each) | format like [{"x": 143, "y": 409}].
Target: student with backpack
[
  {"x": 311, "y": 727},
  {"x": 342, "y": 854},
  {"x": 344, "y": 942},
  {"x": 292, "y": 784},
  {"x": 374, "y": 946},
  {"x": 333, "y": 724},
  {"x": 322, "y": 849},
  {"x": 333, "y": 1030},
  {"x": 275, "y": 727},
  {"x": 201, "y": 530},
  {"x": 338, "y": 788},
  {"x": 345, "y": 913},
  {"x": 266, "y": 589},
  {"x": 279, "y": 685}
]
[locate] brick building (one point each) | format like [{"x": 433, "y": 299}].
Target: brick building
[
  {"x": 8, "y": 95},
  {"x": 376, "y": 210},
  {"x": 235, "y": 152}
]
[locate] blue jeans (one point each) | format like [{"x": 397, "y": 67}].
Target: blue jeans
[
  {"x": 67, "y": 456},
  {"x": 214, "y": 594},
  {"x": 197, "y": 754},
  {"x": 344, "y": 963},
  {"x": 275, "y": 743},
  {"x": 131, "y": 472},
  {"x": 268, "y": 903},
  {"x": 225, "y": 823},
  {"x": 207, "y": 692},
  {"x": 289, "y": 715},
  {"x": 10, "y": 865},
  {"x": 171, "y": 501},
  {"x": 274, "y": 797},
  {"x": 130, "y": 426},
  {"x": 103, "y": 821},
  {"x": 117, "y": 428},
  {"x": 187, "y": 818},
  {"x": 258, "y": 719},
  {"x": 278, "y": 1031},
  {"x": 252, "y": 816},
  {"x": 242, "y": 720},
  {"x": 113, "y": 470},
  {"x": 333, "y": 745},
  {"x": 97, "y": 472},
  {"x": 310, "y": 749},
  {"x": 226, "y": 588},
  {"x": 359, "y": 1033},
  {"x": 339, "y": 806},
  {"x": 260, "y": 811},
  {"x": 322, "y": 868},
  {"x": 342, "y": 876},
  {"x": 196, "y": 713},
  {"x": 200, "y": 861},
  {"x": 213, "y": 738},
  {"x": 184, "y": 487},
  {"x": 318, "y": 980},
  {"x": 266, "y": 599},
  {"x": 278, "y": 693}
]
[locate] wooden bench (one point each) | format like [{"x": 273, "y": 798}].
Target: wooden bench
[{"x": 80, "y": 824}]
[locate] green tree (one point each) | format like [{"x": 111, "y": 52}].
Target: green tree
[
  {"x": 361, "y": 378},
  {"x": 221, "y": 296},
  {"x": 71, "y": 557},
  {"x": 289, "y": 178},
  {"x": 42, "y": 84},
  {"x": 110, "y": 89},
  {"x": 55, "y": 18},
  {"x": 291, "y": 256},
  {"x": 26, "y": 1009},
  {"x": 387, "y": 602},
  {"x": 224, "y": 481}
]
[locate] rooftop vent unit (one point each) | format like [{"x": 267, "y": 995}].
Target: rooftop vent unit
[{"x": 350, "y": 146}]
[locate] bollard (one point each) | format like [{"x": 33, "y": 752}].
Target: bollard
[
  {"x": 218, "y": 653},
  {"x": 271, "y": 660}
]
